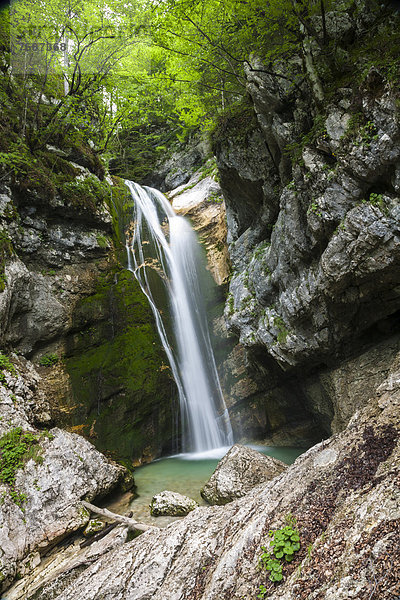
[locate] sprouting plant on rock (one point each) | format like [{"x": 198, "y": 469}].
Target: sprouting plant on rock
[{"x": 283, "y": 545}]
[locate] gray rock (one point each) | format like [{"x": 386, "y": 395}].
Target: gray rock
[
  {"x": 62, "y": 566},
  {"x": 238, "y": 472},
  {"x": 315, "y": 260},
  {"x": 171, "y": 504},
  {"x": 65, "y": 469}
]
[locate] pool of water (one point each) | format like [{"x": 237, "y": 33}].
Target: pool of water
[{"x": 183, "y": 473}]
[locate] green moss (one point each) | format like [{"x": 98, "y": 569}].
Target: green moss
[
  {"x": 235, "y": 124},
  {"x": 103, "y": 241},
  {"x": 120, "y": 382},
  {"x": 120, "y": 204},
  {"x": 89, "y": 193},
  {"x": 283, "y": 332}
]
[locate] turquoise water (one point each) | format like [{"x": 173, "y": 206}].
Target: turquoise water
[{"x": 185, "y": 474}]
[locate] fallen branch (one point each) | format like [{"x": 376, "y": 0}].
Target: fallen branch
[{"x": 104, "y": 512}]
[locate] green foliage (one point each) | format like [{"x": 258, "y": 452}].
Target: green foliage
[
  {"x": 48, "y": 360},
  {"x": 283, "y": 332},
  {"x": 314, "y": 209},
  {"x": 16, "y": 447},
  {"x": 231, "y": 304},
  {"x": 284, "y": 543},
  {"x": 6, "y": 250},
  {"x": 135, "y": 77},
  {"x": 376, "y": 198},
  {"x": 103, "y": 241},
  {"x": 88, "y": 194},
  {"x": 6, "y": 365},
  {"x": 378, "y": 201},
  {"x": 263, "y": 592}
]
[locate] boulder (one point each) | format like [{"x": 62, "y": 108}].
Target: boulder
[
  {"x": 43, "y": 506},
  {"x": 238, "y": 472},
  {"x": 171, "y": 504}
]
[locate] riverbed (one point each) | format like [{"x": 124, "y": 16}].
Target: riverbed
[{"x": 183, "y": 473}]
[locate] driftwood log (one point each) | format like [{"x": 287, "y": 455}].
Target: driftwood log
[{"x": 104, "y": 512}]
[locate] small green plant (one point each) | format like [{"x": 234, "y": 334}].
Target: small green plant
[
  {"x": 259, "y": 252},
  {"x": 48, "y": 272},
  {"x": 16, "y": 447},
  {"x": 6, "y": 250},
  {"x": 282, "y": 547},
  {"x": 377, "y": 200},
  {"x": 263, "y": 591},
  {"x": 231, "y": 305},
  {"x": 315, "y": 209},
  {"x": 103, "y": 241},
  {"x": 48, "y": 360},
  {"x": 283, "y": 331},
  {"x": 6, "y": 365}
]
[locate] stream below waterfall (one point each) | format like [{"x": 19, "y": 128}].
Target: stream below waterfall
[{"x": 183, "y": 473}]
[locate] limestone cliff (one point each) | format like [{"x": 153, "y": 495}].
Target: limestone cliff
[
  {"x": 312, "y": 199},
  {"x": 68, "y": 306}
]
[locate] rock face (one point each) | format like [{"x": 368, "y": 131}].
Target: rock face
[
  {"x": 171, "y": 504},
  {"x": 70, "y": 308},
  {"x": 42, "y": 505},
  {"x": 344, "y": 494},
  {"x": 314, "y": 241},
  {"x": 238, "y": 472},
  {"x": 202, "y": 202}
]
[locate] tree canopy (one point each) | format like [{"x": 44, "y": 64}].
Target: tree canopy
[{"x": 83, "y": 69}]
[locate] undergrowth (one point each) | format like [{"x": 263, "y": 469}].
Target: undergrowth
[{"x": 16, "y": 448}]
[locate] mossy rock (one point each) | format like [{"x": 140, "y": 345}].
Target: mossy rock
[{"x": 122, "y": 388}]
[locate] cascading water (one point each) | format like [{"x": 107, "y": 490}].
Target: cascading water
[{"x": 162, "y": 247}]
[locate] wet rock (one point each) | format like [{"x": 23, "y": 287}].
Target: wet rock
[
  {"x": 171, "y": 504},
  {"x": 202, "y": 202},
  {"x": 238, "y": 472}
]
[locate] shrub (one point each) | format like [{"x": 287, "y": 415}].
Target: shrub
[
  {"x": 48, "y": 360},
  {"x": 14, "y": 446}
]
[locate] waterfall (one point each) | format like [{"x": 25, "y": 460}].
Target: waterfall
[{"x": 164, "y": 255}]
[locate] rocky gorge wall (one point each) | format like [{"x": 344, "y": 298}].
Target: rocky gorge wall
[
  {"x": 312, "y": 201},
  {"x": 69, "y": 307}
]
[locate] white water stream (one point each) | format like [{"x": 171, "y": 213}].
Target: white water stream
[{"x": 163, "y": 249}]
